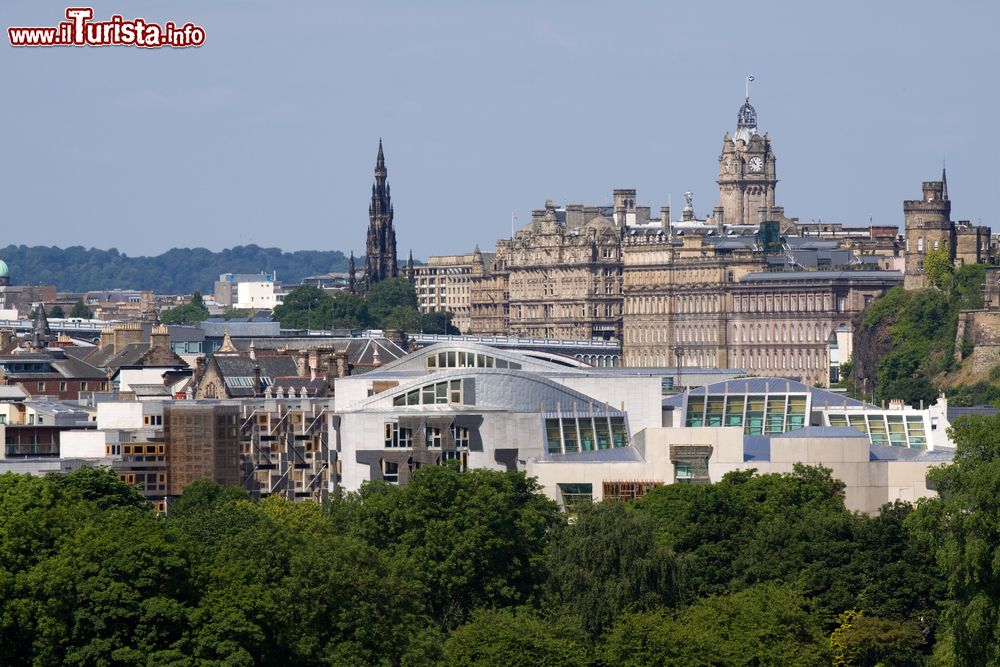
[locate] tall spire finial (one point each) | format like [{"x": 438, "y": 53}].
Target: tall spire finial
[
  {"x": 944, "y": 181},
  {"x": 749, "y": 79}
]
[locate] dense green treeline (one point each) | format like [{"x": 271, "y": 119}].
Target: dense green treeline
[
  {"x": 177, "y": 271},
  {"x": 390, "y": 304},
  {"x": 479, "y": 568}
]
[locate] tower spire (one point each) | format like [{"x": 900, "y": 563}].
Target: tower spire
[
  {"x": 351, "y": 280},
  {"x": 380, "y": 250},
  {"x": 944, "y": 181}
]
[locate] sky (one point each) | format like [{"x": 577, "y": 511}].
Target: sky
[{"x": 267, "y": 133}]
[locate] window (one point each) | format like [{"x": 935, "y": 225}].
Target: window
[
  {"x": 397, "y": 437},
  {"x": 438, "y": 393},
  {"x": 461, "y": 436},
  {"x": 63, "y": 386},
  {"x": 682, "y": 472},
  {"x": 390, "y": 471},
  {"x": 41, "y": 386},
  {"x": 433, "y": 436}
]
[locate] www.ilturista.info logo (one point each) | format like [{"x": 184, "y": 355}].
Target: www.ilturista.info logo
[{"x": 81, "y": 30}]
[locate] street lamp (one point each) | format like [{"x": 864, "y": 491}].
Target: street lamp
[{"x": 679, "y": 357}]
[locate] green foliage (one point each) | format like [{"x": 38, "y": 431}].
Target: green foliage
[
  {"x": 516, "y": 638},
  {"x": 608, "y": 562},
  {"x": 438, "y": 323},
  {"x": 349, "y": 311},
  {"x": 473, "y": 539},
  {"x": 234, "y": 313},
  {"x": 918, "y": 332},
  {"x": 766, "y": 624},
  {"x": 189, "y": 313},
  {"x": 387, "y": 295},
  {"x": 57, "y": 312},
  {"x": 177, "y": 271},
  {"x": 962, "y": 525},
  {"x": 81, "y": 311},
  {"x": 402, "y": 318},
  {"x": 102, "y": 487},
  {"x": 939, "y": 268},
  {"x": 390, "y": 305},
  {"x": 751, "y": 528},
  {"x": 479, "y": 568},
  {"x": 869, "y": 641},
  {"x": 305, "y": 307}
]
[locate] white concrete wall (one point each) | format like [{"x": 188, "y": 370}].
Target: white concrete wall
[
  {"x": 641, "y": 397},
  {"x": 259, "y": 294},
  {"x": 130, "y": 376},
  {"x": 82, "y": 445},
  {"x": 365, "y": 431},
  {"x": 119, "y": 415},
  {"x": 868, "y": 484}
]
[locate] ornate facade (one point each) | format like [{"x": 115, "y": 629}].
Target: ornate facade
[
  {"x": 745, "y": 287},
  {"x": 380, "y": 249},
  {"x": 562, "y": 274}
]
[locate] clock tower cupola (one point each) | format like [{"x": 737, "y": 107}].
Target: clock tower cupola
[{"x": 747, "y": 176}]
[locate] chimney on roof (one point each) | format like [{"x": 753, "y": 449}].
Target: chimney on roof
[{"x": 159, "y": 338}]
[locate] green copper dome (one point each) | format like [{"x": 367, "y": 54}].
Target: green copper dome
[{"x": 4, "y": 271}]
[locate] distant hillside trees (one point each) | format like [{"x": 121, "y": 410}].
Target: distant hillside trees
[{"x": 177, "y": 271}]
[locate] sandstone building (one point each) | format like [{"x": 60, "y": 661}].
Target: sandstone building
[
  {"x": 444, "y": 284},
  {"x": 558, "y": 277},
  {"x": 928, "y": 225}
]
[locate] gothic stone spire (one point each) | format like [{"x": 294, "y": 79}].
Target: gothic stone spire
[
  {"x": 380, "y": 250},
  {"x": 351, "y": 280}
]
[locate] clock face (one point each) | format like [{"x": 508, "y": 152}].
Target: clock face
[{"x": 756, "y": 164}]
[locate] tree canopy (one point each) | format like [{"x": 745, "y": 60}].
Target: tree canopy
[
  {"x": 390, "y": 305},
  {"x": 81, "y": 311},
  {"x": 479, "y": 568},
  {"x": 177, "y": 271},
  {"x": 189, "y": 313}
]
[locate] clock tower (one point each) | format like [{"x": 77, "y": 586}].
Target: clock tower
[{"x": 746, "y": 174}]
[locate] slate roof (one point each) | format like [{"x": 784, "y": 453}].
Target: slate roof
[
  {"x": 238, "y": 372},
  {"x": 895, "y": 276},
  {"x": 977, "y": 410},
  {"x": 890, "y": 453},
  {"x": 360, "y": 351}
]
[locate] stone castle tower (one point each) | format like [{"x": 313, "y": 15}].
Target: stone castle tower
[
  {"x": 380, "y": 250},
  {"x": 928, "y": 224},
  {"x": 747, "y": 175}
]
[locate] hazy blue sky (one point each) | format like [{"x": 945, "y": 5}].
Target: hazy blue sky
[{"x": 268, "y": 133}]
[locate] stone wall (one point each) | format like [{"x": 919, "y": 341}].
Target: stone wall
[{"x": 983, "y": 329}]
